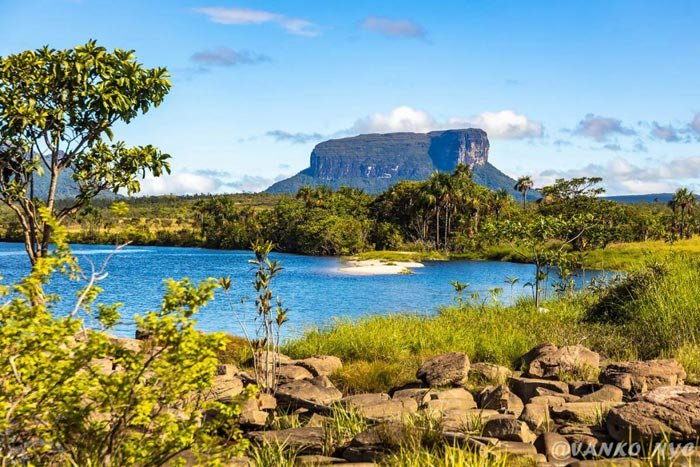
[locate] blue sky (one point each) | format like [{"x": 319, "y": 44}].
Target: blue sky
[{"x": 564, "y": 88}]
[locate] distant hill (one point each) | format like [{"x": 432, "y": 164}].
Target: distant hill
[
  {"x": 375, "y": 162},
  {"x": 650, "y": 198},
  {"x": 65, "y": 188}
]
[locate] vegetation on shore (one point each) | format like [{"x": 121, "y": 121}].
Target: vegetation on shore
[{"x": 650, "y": 313}]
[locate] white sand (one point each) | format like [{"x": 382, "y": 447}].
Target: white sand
[{"x": 371, "y": 267}]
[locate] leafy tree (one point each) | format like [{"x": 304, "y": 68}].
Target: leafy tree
[
  {"x": 57, "y": 113},
  {"x": 523, "y": 185},
  {"x": 71, "y": 396}
]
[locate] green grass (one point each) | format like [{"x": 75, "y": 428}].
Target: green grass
[
  {"x": 651, "y": 313},
  {"x": 628, "y": 256},
  {"x": 398, "y": 256}
]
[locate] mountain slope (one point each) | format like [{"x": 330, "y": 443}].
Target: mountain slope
[{"x": 375, "y": 162}]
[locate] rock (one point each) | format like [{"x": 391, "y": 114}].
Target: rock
[
  {"x": 616, "y": 462},
  {"x": 582, "y": 438},
  {"x": 104, "y": 366},
  {"x": 608, "y": 393},
  {"x": 412, "y": 393},
  {"x": 226, "y": 369},
  {"x": 582, "y": 412},
  {"x": 583, "y": 388},
  {"x": 555, "y": 448},
  {"x": 450, "y": 369},
  {"x": 308, "y": 440},
  {"x": 516, "y": 449},
  {"x": 375, "y": 162},
  {"x": 253, "y": 418},
  {"x": 508, "y": 429},
  {"x": 465, "y": 420},
  {"x": 324, "y": 365},
  {"x": 546, "y": 392},
  {"x": 489, "y": 373},
  {"x": 316, "y": 420},
  {"x": 550, "y": 401},
  {"x": 526, "y": 388},
  {"x": 479, "y": 445},
  {"x": 449, "y": 399},
  {"x": 226, "y": 388},
  {"x": 310, "y": 394},
  {"x": 365, "y": 454},
  {"x": 133, "y": 345},
  {"x": 664, "y": 413},
  {"x": 317, "y": 460},
  {"x": 638, "y": 377},
  {"x": 536, "y": 416},
  {"x": 287, "y": 373},
  {"x": 380, "y": 406},
  {"x": 502, "y": 400},
  {"x": 549, "y": 361}
]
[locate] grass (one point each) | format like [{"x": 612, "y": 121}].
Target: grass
[
  {"x": 628, "y": 256},
  {"x": 652, "y": 313}
]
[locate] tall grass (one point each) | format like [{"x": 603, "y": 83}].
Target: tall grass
[
  {"x": 383, "y": 351},
  {"x": 654, "y": 312}
]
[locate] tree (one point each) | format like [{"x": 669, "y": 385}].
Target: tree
[
  {"x": 57, "y": 113},
  {"x": 523, "y": 185},
  {"x": 683, "y": 202}
]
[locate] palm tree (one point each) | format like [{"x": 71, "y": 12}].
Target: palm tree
[
  {"x": 511, "y": 281},
  {"x": 523, "y": 185},
  {"x": 683, "y": 201}
]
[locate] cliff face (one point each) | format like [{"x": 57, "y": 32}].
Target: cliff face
[{"x": 375, "y": 162}]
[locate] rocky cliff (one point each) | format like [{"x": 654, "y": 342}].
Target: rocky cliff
[{"x": 375, "y": 162}]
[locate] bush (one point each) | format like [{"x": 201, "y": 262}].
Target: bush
[{"x": 70, "y": 396}]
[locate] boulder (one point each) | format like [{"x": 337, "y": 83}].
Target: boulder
[
  {"x": 507, "y": 428},
  {"x": 411, "y": 393},
  {"x": 448, "y": 399},
  {"x": 638, "y": 377},
  {"x": 226, "y": 388},
  {"x": 665, "y": 413},
  {"x": 311, "y": 394},
  {"x": 253, "y": 418},
  {"x": 608, "y": 393},
  {"x": 465, "y": 420},
  {"x": 526, "y": 388},
  {"x": 582, "y": 438},
  {"x": 318, "y": 460},
  {"x": 583, "y": 388},
  {"x": 516, "y": 449},
  {"x": 380, "y": 406},
  {"x": 450, "y": 369},
  {"x": 555, "y": 448},
  {"x": 489, "y": 373},
  {"x": 226, "y": 369},
  {"x": 286, "y": 373},
  {"x": 502, "y": 400},
  {"x": 549, "y": 361},
  {"x": 324, "y": 365},
  {"x": 537, "y": 417},
  {"x": 307, "y": 440},
  {"x": 582, "y": 412},
  {"x": 547, "y": 392}
]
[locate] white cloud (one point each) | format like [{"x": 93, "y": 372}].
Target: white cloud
[
  {"x": 505, "y": 124},
  {"x": 623, "y": 177},
  {"x": 245, "y": 16},
  {"x": 393, "y": 27},
  {"x": 204, "y": 182},
  {"x": 601, "y": 128}
]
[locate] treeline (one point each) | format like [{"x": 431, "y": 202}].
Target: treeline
[{"x": 447, "y": 212}]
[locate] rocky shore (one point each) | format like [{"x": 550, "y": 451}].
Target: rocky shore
[{"x": 567, "y": 407}]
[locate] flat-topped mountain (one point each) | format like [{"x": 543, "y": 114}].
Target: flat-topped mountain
[{"x": 374, "y": 162}]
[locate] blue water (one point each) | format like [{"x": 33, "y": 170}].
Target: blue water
[{"x": 312, "y": 288}]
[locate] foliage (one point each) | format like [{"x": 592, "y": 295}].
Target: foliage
[
  {"x": 265, "y": 342},
  {"x": 57, "y": 113},
  {"x": 81, "y": 397}
]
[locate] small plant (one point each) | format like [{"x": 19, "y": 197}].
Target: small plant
[{"x": 271, "y": 317}]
